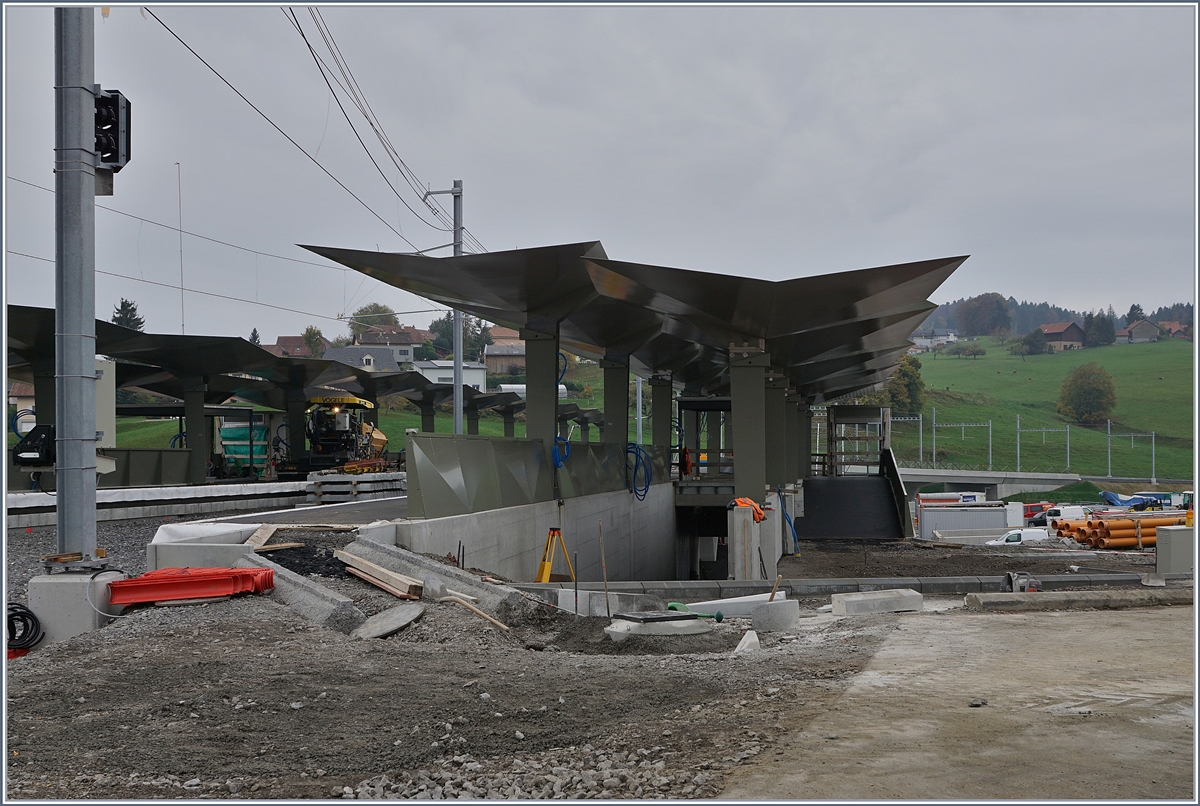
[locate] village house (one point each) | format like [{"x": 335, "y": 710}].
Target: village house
[
  {"x": 928, "y": 339},
  {"x": 401, "y": 341},
  {"x": 1063, "y": 336},
  {"x": 294, "y": 347},
  {"x": 1175, "y": 330},
  {"x": 1139, "y": 332}
]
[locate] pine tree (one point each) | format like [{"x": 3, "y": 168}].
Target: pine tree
[
  {"x": 126, "y": 315},
  {"x": 255, "y": 339}
]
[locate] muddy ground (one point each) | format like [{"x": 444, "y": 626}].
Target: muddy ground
[
  {"x": 244, "y": 698},
  {"x": 828, "y": 559}
]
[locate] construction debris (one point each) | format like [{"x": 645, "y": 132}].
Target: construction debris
[
  {"x": 406, "y": 585},
  {"x": 474, "y": 610}
]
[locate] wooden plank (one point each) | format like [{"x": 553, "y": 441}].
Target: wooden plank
[
  {"x": 261, "y": 535},
  {"x": 379, "y": 583},
  {"x": 277, "y": 546},
  {"x": 468, "y": 597},
  {"x": 404, "y": 583}
]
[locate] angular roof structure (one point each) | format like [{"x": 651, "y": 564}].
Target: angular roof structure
[{"x": 830, "y": 334}]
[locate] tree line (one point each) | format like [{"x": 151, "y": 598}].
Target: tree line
[{"x": 993, "y": 314}]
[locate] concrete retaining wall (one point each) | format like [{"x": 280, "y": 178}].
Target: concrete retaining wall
[{"x": 639, "y": 536}]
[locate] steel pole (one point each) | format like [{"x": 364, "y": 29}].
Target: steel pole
[
  {"x": 1109, "y": 448},
  {"x": 1018, "y": 443},
  {"x": 920, "y": 438},
  {"x": 1153, "y": 475},
  {"x": 458, "y": 323},
  {"x": 75, "y": 280},
  {"x": 1068, "y": 447},
  {"x": 989, "y": 446},
  {"x": 933, "y": 430},
  {"x": 639, "y": 409}
]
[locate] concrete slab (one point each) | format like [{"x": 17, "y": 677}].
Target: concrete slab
[
  {"x": 66, "y": 603},
  {"x": 780, "y": 615},
  {"x": 735, "y": 607},
  {"x": 991, "y": 584},
  {"x": 888, "y": 583},
  {"x": 1101, "y": 579},
  {"x": 1062, "y": 600},
  {"x": 390, "y": 621},
  {"x": 682, "y": 591},
  {"x": 947, "y": 585},
  {"x": 749, "y": 643},
  {"x": 889, "y": 601},
  {"x": 591, "y": 603}
]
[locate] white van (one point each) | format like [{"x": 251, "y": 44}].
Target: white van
[
  {"x": 1017, "y": 536},
  {"x": 1066, "y": 513}
]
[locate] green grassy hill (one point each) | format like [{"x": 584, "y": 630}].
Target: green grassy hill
[{"x": 1154, "y": 393}]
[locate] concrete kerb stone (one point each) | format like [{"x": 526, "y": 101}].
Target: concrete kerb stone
[
  {"x": 315, "y": 602},
  {"x": 683, "y": 591},
  {"x": 732, "y": 588},
  {"x": 888, "y": 583},
  {"x": 491, "y": 596},
  {"x": 808, "y": 588},
  {"x": 777, "y": 616},
  {"x": 991, "y": 584},
  {"x": 948, "y": 585},
  {"x": 882, "y": 601},
  {"x": 1061, "y": 600},
  {"x": 1114, "y": 578}
]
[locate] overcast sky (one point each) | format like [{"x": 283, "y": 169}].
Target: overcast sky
[{"x": 1055, "y": 145}]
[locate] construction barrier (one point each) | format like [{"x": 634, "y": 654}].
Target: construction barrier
[{"x": 175, "y": 584}]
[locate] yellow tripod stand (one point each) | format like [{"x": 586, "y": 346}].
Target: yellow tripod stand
[{"x": 554, "y": 539}]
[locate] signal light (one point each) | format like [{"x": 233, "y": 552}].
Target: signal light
[{"x": 112, "y": 129}]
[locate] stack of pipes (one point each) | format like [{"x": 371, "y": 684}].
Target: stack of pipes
[{"x": 1116, "y": 533}]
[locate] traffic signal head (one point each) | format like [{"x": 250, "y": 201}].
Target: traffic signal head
[{"x": 112, "y": 129}]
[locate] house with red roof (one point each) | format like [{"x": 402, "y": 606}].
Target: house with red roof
[{"x": 1063, "y": 336}]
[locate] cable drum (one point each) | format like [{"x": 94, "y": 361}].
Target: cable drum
[{"x": 24, "y": 629}]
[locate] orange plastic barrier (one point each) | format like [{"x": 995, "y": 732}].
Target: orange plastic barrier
[{"x": 173, "y": 584}]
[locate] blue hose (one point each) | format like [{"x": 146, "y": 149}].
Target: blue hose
[
  {"x": 281, "y": 439},
  {"x": 18, "y": 416},
  {"x": 562, "y": 373},
  {"x": 560, "y": 458},
  {"x": 788, "y": 520},
  {"x": 175, "y": 440},
  {"x": 641, "y": 461}
]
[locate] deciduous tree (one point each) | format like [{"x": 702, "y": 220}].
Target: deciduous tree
[
  {"x": 370, "y": 316},
  {"x": 1088, "y": 394},
  {"x": 314, "y": 341},
  {"x": 984, "y": 314}
]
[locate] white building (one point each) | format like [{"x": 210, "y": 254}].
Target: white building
[{"x": 474, "y": 373}]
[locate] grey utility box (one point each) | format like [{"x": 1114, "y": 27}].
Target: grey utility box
[{"x": 1175, "y": 549}]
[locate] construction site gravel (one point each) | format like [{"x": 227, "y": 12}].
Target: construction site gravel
[{"x": 245, "y": 698}]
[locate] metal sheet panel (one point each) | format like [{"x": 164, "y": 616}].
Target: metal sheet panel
[
  {"x": 455, "y": 474},
  {"x": 592, "y": 468}
]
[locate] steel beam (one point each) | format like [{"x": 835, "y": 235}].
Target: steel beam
[
  {"x": 747, "y": 385},
  {"x": 541, "y": 385},
  {"x": 616, "y": 401}
]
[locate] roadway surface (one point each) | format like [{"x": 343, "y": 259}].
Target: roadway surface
[{"x": 354, "y": 513}]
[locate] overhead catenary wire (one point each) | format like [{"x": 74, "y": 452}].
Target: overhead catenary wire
[
  {"x": 277, "y": 128},
  {"x": 348, "y": 83},
  {"x": 223, "y": 296}
]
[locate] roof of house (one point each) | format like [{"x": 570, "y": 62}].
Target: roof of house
[
  {"x": 383, "y": 360},
  {"x": 504, "y": 349},
  {"x": 292, "y": 346},
  {"x": 394, "y": 334},
  {"x": 500, "y": 332},
  {"x": 1122, "y": 333},
  {"x": 19, "y": 389},
  {"x": 1132, "y": 325},
  {"x": 447, "y": 365},
  {"x": 1055, "y": 328},
  {"x": 1173, "y": 327}
]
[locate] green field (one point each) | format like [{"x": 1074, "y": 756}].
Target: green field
[{"x": 1154, "y": 394}]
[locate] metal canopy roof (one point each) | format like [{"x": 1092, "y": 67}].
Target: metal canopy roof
[{"x": 829, "y": 335}]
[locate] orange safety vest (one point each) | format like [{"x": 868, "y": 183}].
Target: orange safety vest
[{"x": 759, "y": 515}]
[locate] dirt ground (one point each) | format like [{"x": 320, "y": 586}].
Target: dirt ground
[
  {"x": 1096, "y": 705},
  {"x": 832, "y": 559},
  {"x": 246, "y": 699}
]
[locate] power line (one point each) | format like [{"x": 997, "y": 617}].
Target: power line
[
  {"x": 195, "y": 234},
  {"x": 354, "y": 92},
  {"x": 278, "y": 129},
  {"x": 321, "y": 67},
  {"x": 222, "y": 296}
]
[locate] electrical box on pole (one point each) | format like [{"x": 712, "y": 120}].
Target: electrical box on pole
[{"x": 112, "y": 135}]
